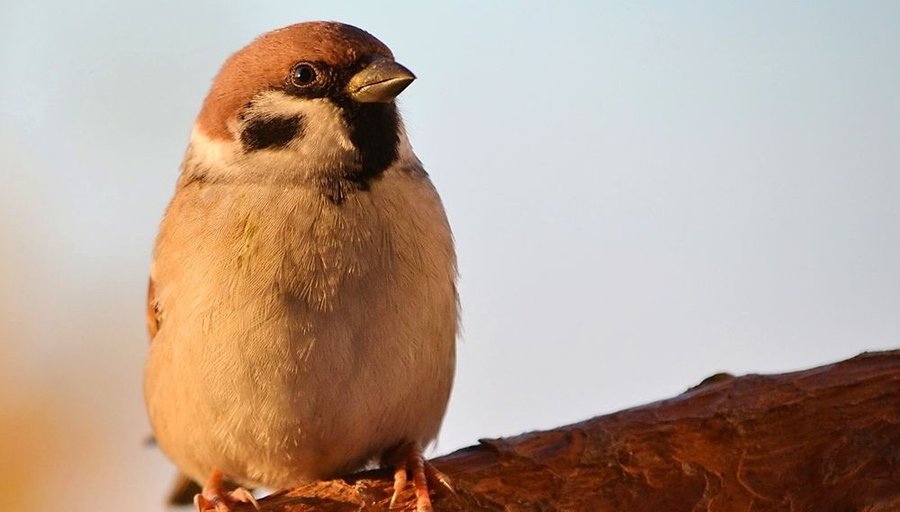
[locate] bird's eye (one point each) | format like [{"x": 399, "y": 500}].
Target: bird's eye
[{"x": 303, "y": 74}]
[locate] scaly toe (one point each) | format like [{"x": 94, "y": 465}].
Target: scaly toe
[
  {"x": 410, "y": 465},
  {"x": 435, "y": 475},
  {"x": 399, "y": 484},
  {"x": 216, "y": 497},
  {"x": 241, "y": 495}
]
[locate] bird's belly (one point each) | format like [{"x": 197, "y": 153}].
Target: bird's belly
[{"x": 278, "y": 394}]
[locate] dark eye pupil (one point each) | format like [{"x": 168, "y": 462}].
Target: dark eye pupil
[{"x": 304, "y": 74}]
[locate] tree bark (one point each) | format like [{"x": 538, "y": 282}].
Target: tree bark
[{"x": 825, "y": 439}]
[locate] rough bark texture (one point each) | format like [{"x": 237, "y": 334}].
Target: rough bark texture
[{"x": 826, "y": 439}]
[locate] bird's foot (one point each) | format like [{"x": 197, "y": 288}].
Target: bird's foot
[
  {"x": 217, "y": 498},
  {"x": 409, "y": 461}
]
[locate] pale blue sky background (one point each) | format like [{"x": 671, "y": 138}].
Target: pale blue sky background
[{"x": 642, "y": 194}]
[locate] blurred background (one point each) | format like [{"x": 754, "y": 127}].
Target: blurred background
[{"x": 643, "y": 194}]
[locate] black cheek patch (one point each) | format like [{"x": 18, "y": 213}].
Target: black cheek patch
[{"x": 271, "y": 132}]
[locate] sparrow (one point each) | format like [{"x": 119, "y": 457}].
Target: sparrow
[{"x": 302, "y": 303}]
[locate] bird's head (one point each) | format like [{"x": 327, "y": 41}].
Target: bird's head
[{"x": 309, "y": 100}]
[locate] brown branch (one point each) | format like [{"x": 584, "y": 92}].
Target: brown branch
[{"x": 826, "y": 439}]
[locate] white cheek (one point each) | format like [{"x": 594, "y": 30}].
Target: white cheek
[
  {"x": 214, "y": 155},
  {"x": 324, "y": 144},
  {"x": 324, "y": 131}
]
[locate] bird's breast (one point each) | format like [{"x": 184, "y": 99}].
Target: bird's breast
[{"x": 279, "y": 298}]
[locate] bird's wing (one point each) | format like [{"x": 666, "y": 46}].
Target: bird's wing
[{"x": 153, "y": 317}]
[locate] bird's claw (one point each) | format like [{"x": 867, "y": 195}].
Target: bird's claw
[
  {"x": 410, "y": 462},
  {"x": 215, "y": 497}
]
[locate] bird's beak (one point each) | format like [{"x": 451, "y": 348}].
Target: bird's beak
[{"x": 379, "y": 82}]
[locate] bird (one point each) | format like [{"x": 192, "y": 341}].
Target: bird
[{"x": 302, "y": 304}]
